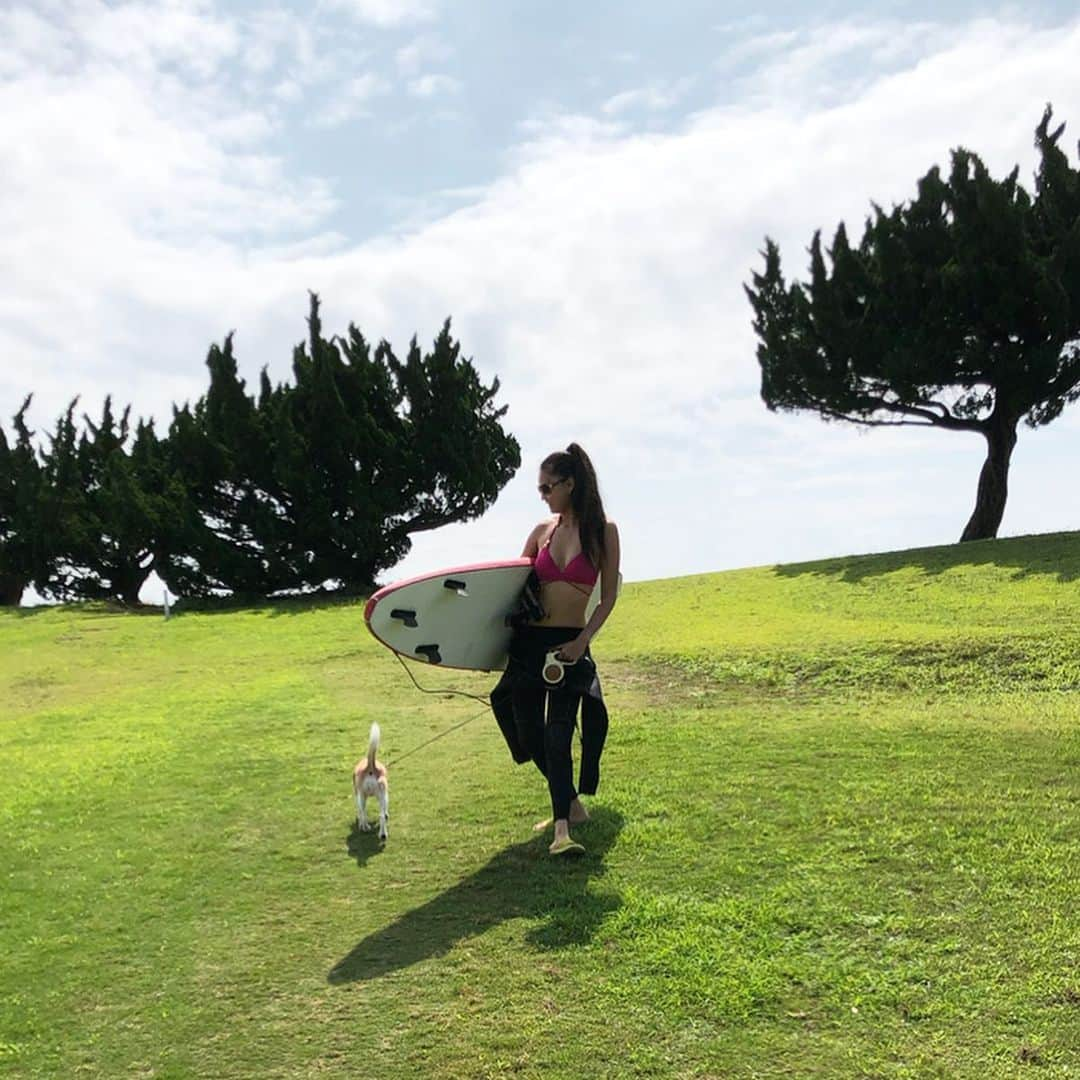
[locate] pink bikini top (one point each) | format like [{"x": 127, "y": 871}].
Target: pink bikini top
[{"x": 578, "y": 571}]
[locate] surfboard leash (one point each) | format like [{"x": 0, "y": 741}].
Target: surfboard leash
[{"x": 425, "y": 690}]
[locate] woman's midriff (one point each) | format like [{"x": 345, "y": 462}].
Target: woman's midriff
[{"x": 563, "y": 603}]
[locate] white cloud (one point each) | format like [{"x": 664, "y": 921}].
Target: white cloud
[
  {"x": 353, "y": 99},
  {"x": 383, "y": 13},
  {"x": 605, "y": 290},
  {"x": 655, "y": 97},
  {"x": 420, "y": 52},
  {"x": 150, "y": 36},
  {"x": 600, "y": 277},
  {"x": 32, "y": 44},
  {"x": 434, "y": 86},
  {"x": 131, "y": 181},
  {"x": 829, "y": 61}
]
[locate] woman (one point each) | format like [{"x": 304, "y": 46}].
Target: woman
[{"x": 570, "y": 550}]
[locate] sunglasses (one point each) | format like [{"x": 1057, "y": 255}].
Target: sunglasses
[{"x": 546, "y": 489}]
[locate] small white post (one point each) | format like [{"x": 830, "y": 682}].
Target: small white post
[{"x": 166, "y": 603}]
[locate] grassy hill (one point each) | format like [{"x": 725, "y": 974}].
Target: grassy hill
[{"x": 836, "y": 835}]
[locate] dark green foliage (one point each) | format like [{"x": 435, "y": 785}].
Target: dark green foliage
[
  {"x": 22, "y": 540},
  {"x": 316, "y": 485},
  {"x": 320, "y": 484},
  {"x": 455, "y": 455},
  {"x": 959, "y": 309},
  {"x": 232, "y": 522},
  {"x": 111, "y": 505}
]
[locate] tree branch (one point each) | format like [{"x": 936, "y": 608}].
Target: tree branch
[
  {"x": 928, "y": 419},
  {"x": 420, "y": 523},
  {"x": 943, "y": 419}
]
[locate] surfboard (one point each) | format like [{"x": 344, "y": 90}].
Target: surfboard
[{"x": 456, "y": 617}]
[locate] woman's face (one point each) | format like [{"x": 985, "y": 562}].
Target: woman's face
[{"x": 555, "y": 491}]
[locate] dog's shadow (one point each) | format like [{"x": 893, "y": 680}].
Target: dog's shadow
[
  {"x": 362, "y": 845},
  {"x": 521, "y": 881}
]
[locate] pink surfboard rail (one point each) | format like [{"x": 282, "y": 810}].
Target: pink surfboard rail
[{"x": 432, "y": 575}]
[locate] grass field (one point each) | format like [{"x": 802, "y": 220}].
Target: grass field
[{"x": 837, "y": 834}]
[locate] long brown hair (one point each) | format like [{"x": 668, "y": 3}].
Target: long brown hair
[{"x": 573, "y": 463}]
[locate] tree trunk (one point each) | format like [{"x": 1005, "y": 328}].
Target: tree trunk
[
  {"x": 127, "y": 583},
  {"x": 11, "y": 590},
  {"x": 993, "y": 481}
]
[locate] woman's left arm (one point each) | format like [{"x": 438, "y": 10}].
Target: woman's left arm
[{"x": 609, "y": 593}]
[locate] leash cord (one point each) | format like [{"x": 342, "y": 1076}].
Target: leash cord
[
  {"x": 425, "y": 690},
  {"x": 442, "y": 734},
  {"x": 434, "y": 738}
]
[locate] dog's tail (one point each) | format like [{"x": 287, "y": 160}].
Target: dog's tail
[{"x": 372, "y": 747}]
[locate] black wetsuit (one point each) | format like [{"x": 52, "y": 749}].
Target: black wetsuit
[{"x": 519, "y": 701}]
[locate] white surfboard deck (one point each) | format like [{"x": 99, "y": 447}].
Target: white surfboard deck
[{"x": 456, "y": 617}]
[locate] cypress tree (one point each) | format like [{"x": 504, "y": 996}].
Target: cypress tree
[
  {"x": 338, "y": 434},
  {"x": 109, "y": 507},
  {"x": 319, "y": 484},
  {"x": 457, "y": 457},
  {"x": 63, "y": 512},
  {"x": 23, "y": 547},
  {"x": 233, "y": 525}
]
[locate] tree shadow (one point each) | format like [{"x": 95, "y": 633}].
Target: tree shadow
[
  {"x": 275, "y": 607},
  {"x": 1051, "y": 554},
  {"x": 521, "y": 881},
  {"x": 88, "y": 609}
]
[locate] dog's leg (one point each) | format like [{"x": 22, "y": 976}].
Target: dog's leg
[
  {"x": 362, "y": 822},
  {"x": 384, "y": 812}
]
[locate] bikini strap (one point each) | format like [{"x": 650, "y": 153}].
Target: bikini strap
[{"x": 547, "y": 542}]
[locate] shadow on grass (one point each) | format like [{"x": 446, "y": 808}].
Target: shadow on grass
[
  {"x": 362, "y": 845},
  {"x": 1051, "y": 554},
  {"x": 88, "y": 609},
  {"x": 521, "y": 881},
  {"x": 274, "y": 606}
]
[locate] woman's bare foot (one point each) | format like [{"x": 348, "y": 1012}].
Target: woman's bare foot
[
  {"x": 578, "y": 815},
  {"x": 564, "y": 844}
]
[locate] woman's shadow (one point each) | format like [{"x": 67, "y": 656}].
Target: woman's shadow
[{"x": 522, "y": 881}]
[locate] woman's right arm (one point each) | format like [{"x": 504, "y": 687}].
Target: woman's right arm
[{"x": 532, "y": 545}]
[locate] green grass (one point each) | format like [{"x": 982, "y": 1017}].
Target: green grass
[{"x": 837, "y": 834}]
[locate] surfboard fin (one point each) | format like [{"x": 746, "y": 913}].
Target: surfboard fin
[
  {"x": 456, "y": 586},
  {"x": 429, "y": 651},
  {"x": 406, "y": 616}
]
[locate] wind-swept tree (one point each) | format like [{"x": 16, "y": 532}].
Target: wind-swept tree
[{"x": 959, "y": 309}]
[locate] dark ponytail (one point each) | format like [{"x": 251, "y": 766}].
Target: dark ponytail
[{"x": 574, "y": 463}]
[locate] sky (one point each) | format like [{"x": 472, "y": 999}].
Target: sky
[{"x": 584, "y": 189}]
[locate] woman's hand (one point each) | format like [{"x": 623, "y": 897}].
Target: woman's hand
[{"x": 572, "y": 651}]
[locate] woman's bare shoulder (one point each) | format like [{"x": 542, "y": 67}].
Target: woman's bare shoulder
[
  {"x": 545, "y": 525},
  {"x": 541, "y": 529}
]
